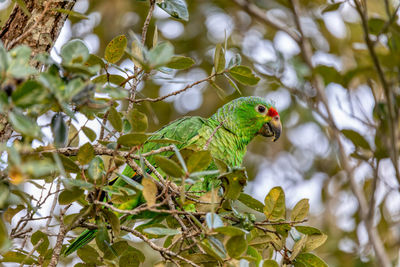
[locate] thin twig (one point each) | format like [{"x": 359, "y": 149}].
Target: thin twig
[
  {"x": 60, "y": 239},
  {"x": 176, "y": 92},
  {"x": 147, "y": 21}
]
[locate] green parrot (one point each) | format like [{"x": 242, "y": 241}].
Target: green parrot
[{"x": 226, "y": 133}]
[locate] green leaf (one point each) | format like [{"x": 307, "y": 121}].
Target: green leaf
[
  {"x": 220, "y": 92},
  {"x": 131, "y": 182},
  {"x": 309, "y": 260},
  {"x": 68, "y": 196},
  {"x": 332, "y": 7},
  {"x": 213, "y": 248},
  {"x": 137, "y": 53},
  {"x": 113, "y": 220},
  {"x": 89, "y": 133},
  {"x": 115, "y": 119},
  {"x": 121, "y": 248},
  {"x": 210, "y": 200},
  {"x": 28, "y": 94},
  {"x": 202, "y": 259},
  {"x": 3, "y": 59},
  {"x": 308, "y": 230},
  {"x": 169, "y": 166},
  {"x": 300, "y": 210},
  {"x": 329, "y": 74},
  {"x": 251, "y": 202},
  {"x": 129, "y": 259},
  {"x": 219, "y": 59},
  {"x": 161, "y": 231},
  {"x": 180, "y": 63},
  {"x": 282, "y": 229},
  {"x": 298, "y": 246},
  {"x": 73, "y": 133},
  {"x": 243, "y": 75},
  {"x": 112, "y": 78},
  {"x": 235, "y": 61},
  {"x": 275, "y": 204},
  {"x": 161, "y": 54},
  {"x": 115, "y": 49},
  {"x": 88, "y": 254},
  {"x": 230, "y": 230},
  {"x": 36, "y": 237},
  {"x": 75, "y": 51},
  {"x": 113, "y": 92},
  {"x": 103, "y": 239},
  {"x": 254, "y": 254},
  {"x": 175, "y": 8},
  {"x": 68, "y": 164},
  {"x": 155, "y": 36},
  {"x": 60, "y": 130},
  {"x": 132, "y": 139},
  {"x": 232, "y": 83},
  {"x": 19, "y": 66},
  {"x": 357, "y": 139},
  {"x": 18, "y": 257},
  {"x": 73, "y": 88},
  {"x": 137, "y": 120},
  {"x": 236, "y": 246},
  {"x": 39, "y": 168},
  {"x": 24, "y": 125},
  {"x": 233, "y": 183},
  {"x": 314, "y": 241},
  {"x": 198, "y": 161},
  {"x": 94, "y": 60},
  {"x": 70, "y": 183},
  {"x": 96, "y": 168},
  {"x": 204, "y": 173},
  {"x": 11, "y": 212},
  {"x": 53, "y": 83},
  {"x": 85, "y": 154},
  {"x": 149, "y": 191},
  {"x": 270, "y": 263},
  {"x": 375, "y": 25}
]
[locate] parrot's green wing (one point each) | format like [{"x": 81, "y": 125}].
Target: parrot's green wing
[{"x": 182, "y": 130}]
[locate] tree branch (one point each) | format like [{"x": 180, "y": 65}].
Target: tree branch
[{"x": 176, "y": 92}]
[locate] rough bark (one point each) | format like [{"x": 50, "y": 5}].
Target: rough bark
[{"x": 39, "y": 30}]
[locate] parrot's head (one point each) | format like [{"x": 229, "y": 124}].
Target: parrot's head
[{"x": 250, "y": 116}]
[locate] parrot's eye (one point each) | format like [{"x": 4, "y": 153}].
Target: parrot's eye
[{"x": 261, "y": 109}]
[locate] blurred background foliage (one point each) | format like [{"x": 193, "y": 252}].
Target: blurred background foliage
[{"x": 306, "y": 161}]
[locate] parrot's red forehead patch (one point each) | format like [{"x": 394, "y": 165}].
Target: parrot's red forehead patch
[{"x": 272, "y": 112}]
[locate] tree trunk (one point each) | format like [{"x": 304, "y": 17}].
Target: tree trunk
[{"x": 40, "y": 29}]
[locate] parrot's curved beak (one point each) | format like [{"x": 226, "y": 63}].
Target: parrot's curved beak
[{"x": 272, "y": 128}]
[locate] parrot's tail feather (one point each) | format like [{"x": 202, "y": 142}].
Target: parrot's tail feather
[
  {"x": 80, "y": 241},
  {"x": 89, "y": 235}
]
